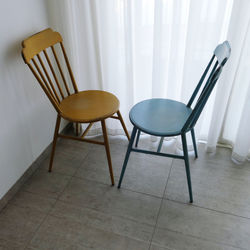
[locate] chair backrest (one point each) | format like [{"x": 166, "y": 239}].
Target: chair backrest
[
  {"x": 221, "y": 54},
  {"x": 41, "y": 53}
]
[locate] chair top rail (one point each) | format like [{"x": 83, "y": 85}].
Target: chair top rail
[
  {"x": 39, "y": 42},
  {"x": 222, "y": 52}
]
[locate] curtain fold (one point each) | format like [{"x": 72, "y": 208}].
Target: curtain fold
[
  {"x": 159, "y": 48},
  {"x": 228, "y": 96}
]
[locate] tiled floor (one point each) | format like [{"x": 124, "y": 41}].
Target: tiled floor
[{"x": 74, "y": 207}]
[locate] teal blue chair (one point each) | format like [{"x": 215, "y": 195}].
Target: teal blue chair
[{"x": 165, "y": 118}]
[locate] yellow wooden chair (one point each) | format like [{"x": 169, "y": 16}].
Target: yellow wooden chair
[{"x": 53, "y": 72}]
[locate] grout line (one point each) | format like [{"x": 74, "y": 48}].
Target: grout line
[
  {"x": 155, "y": 196},
  {"x": 200, "y": 238},
  {"x": 138, "y": 192},
  {"x": 160, "y": 205},
  {"x": 192, "y": 236},
  {"x": 36, "y": 194},
  {"x": 210, "y": 209},
  {"x": 38, "y": 227},
  {"x": 108, "y": 185},
  {"x": 56, "y": 200},
  {"x": 123, "y": 188},
  {"x": 70, "y": 179},
  {"x": 52, "y": 207},
  {"x": 96, "y": 210}
]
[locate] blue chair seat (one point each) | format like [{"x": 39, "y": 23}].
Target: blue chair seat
[{"x": 160, "y": 117}]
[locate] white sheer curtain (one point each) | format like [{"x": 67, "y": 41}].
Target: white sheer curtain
[{"x": 159, "y": 48}]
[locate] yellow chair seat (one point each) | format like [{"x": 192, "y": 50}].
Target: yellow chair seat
[{"x": 89, "y": 106}]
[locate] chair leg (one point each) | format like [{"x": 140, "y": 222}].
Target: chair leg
[
  {"x": 185, "y": 151},
  {"x": 77, "y": 128},
  {"x": 127, "y": 155},
  {"x": 194, "y": 143},
  {"x": 160, "y": 145},
  {"x": 137, "y": 138},
  {"x": 123, "y": 124},
  {"x": 106, "y": 142},
  {"x": 58, "y": 120}
]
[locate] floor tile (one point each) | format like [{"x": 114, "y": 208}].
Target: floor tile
[
  {"x": 221, "y": 157},
  {"x": 63, "y": 164},
  {"x": 110, "y": 223},
  {"x": 64, "y": 233},
  {"x": 46, "y": 184},
  {"x": 19, "y": 224},
  {"x": 62, "y": 245},
  {"x": 145, "y": 173},
  {"x": 10, "y": 245},
  {"x": 148, "y": 173},
  {"x": 75, "y": 207},
  {"x": 110, "y": 200},
  {"x": 165, "y": 239},
  {"x": 156, "y": 247},
  {"x": 95, "y": 165},
  {"x": 33, "y": 201},
  {"x": 73, "y": 147},
  {"x": 69, "y": 155},
  {"x": 204, "y": 224},
  {"x": 217, "y": 184}
]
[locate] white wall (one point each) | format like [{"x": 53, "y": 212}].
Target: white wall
[{"x": 27, "y": 117}]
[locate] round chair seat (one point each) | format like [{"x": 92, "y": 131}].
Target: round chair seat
[
  {"x": 89, "y": 106},
  {"x": 160, "y": 117}
]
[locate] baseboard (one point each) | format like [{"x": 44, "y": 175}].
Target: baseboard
[{"x": 31, "y": 169}]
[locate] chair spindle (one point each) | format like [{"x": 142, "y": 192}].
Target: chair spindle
[
  {"x": 60, "y": 69},
  {"x": 48, "y": 78},
  {"x": 45, "y": 83},
  {"x": 69, "y": 68},
  {"x": 43, "y": 87},
  {"x": 53, "y": 73}
]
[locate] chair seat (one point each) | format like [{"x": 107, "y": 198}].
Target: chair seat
[
  {"x": 89, "y": 106},
  {"x": 160, "y": 117}
]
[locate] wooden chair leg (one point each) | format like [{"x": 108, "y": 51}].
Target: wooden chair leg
[
  {"x": 137, "y": 138},
  {"x": 123, "y": 124},
  {"x": 58, "y": 120},
  {"x": 194, "y": 143},
  {"x": 127, "y": 155},
  {"x": 185, "y": 151},
  {"x": 77, "y": 128},
  {"x": 105, "y": 136},
  {"x": 160, "y": 145}
]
